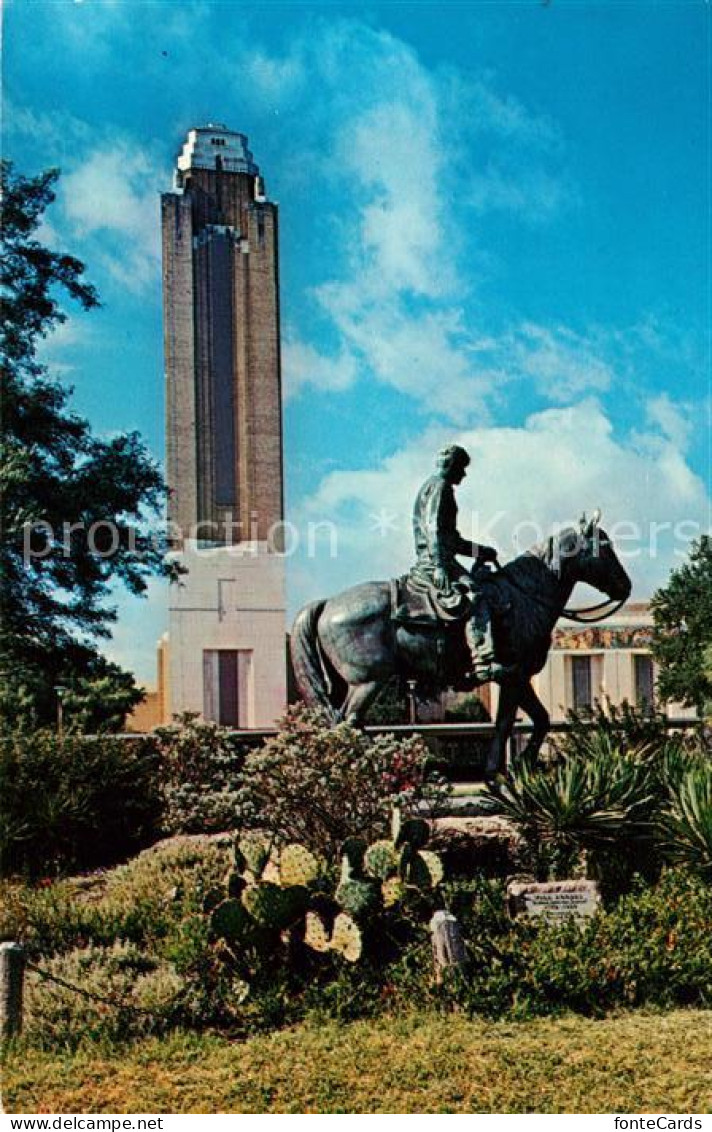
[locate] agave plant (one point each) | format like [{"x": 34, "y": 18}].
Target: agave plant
[
  {"x": 579, "y": 804},
  {"x": 685, "y": 827}
]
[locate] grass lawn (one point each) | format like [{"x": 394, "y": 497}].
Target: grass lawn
[{"x": 421, "y": 1063}]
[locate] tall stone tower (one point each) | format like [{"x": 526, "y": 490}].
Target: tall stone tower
[{"x": 224, "y": 434}]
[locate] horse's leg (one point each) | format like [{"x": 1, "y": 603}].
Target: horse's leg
[
  {"x": 532, "y": 705},
  {"x": 506, "y": 714},
  {"x": 359, "y": 697}
]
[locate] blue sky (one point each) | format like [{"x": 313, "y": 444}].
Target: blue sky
[{"x": 494, "y": 229}]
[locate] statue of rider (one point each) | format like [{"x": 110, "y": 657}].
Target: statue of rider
[{"x": 438, "y": 542}]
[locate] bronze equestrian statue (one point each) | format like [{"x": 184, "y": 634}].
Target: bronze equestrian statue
[{"x": 344, "y": 649}]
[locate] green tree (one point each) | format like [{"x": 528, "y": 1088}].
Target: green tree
[
  {"x": 76, "y": 509},
  {"x": 682, "y": 634}
]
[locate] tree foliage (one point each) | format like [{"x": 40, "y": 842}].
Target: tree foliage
[
  {"x": 682, "y": 635},
  {"x": 76, "y": 508}
]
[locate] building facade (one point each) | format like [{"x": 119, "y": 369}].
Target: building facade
[
  {"x": 227, "y": 620},
  {"x": 605, "y": 662}
]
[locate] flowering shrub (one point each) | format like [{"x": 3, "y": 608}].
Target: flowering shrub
[
  {"x": 319, "y": 785},
  {"x": 200, "y": 763}
]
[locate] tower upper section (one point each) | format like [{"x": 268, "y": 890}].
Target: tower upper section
[{"x": 215, "y": 147}]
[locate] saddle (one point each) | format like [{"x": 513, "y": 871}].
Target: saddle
[{"x": 417, "y": 604}]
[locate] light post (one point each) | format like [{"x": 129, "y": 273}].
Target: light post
[
  {"x": 60, "y": 690},
  {"x": 412, "y": 704}
]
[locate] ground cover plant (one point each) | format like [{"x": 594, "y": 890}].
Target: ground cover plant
[{"x": 155, "y": 918}]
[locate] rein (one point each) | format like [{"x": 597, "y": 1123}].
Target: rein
[{"x": 582, "y": 616}]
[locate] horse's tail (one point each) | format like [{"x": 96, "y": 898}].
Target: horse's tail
[{"x": 307, "y": 662}]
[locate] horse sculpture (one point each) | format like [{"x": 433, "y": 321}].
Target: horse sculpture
[{"x": 345, "y": 649}]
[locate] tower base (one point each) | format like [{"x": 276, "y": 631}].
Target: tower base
[{"x": 227, "y": 635}]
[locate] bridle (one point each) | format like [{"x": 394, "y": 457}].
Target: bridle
[{"x": 582, "y": 616}]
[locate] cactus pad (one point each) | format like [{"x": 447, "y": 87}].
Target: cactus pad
[
  {"x": 230, "y": 921},
  {"x": 353, "y": 850},
  {"x": 381, "y": 860},
  {"x": 255, "y": 853},
  {"x": 346, "y": 938},
  {"x": 392, "y": 890},
  {"x": 235, "y": 884},
  {"x": 357, "y": 897},
  {"x": 297, "y": 865},
  {"x": 274, "y": 907},
  {"x": 425, "y": 870},
  {"x": 316, "y": 935},
  {"x": 413, "y": 831},
  {"x": 238, "y": 857},
  {"x": 271, "y": 872}
]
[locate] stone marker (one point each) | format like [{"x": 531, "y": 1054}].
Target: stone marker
[
  {"x": 553, "y": 899},
  {"x": 448, "y": 945},
  {"x": 12, "y": 970}
]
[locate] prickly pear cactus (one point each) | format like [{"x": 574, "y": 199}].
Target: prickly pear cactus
[
  {"x": 426, "y": 869},
  {"x": 381, "y": 860},
  {"x": 264, "y": 903},
  {"x": 412, "y": 831},
  {"x": 274, "y": 907},
  {"x": 255, "y": 852},
  {"x": 359, "y": 898},
  {"x": 353, "y": 849},
  {"x": 230, "y": 921},
  {"x": 297, "y": 866},
  {"x": 346, "y": 938},
  {"x": 316, "y": 934},
  {"x": 357, "y": 895},
  {"x": 393, "y": 891},
  {"x": 234, "y": 882}
]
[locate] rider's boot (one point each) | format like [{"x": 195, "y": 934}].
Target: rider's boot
[{"x": 478, "y": 633}]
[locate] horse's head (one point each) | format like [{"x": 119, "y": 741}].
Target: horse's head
[{"x": 587, "y": 555}]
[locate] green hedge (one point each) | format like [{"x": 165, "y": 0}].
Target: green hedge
[{"x": 75, "y": 803}]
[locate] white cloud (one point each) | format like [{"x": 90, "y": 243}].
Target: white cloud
[
  {"x": 303, "y": 365},
  {"x": 394, "y": 138},
  {"x": 561, "y": 462},
  {"x": 674, "y": 420},
  {"x": 111, "y": 194},
  {"x": 561, "y": 363},
  {"x": 424, "y": 354},
  {"x": 58, "y": 349}
]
